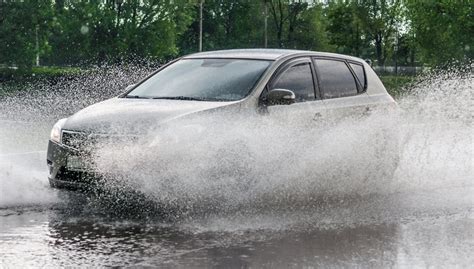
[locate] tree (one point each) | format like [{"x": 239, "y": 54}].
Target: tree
[
  {"x": 346, "y": 30},
  {"x": 116, "y": 30},
  {"x": 227, "y": 24},
  {"x": 443, "y": 30},
  {"x": 77, "y": 32},
  {"x": 24, "y": 30},
  {"x": 366, "y": 29},
  {"x": 310, "y": 30},
  {"x": 285, "y": 15},
  {"x": 380, "y": 21}
]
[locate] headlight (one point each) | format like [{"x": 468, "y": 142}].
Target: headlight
[{"x": 56, "y": 131}]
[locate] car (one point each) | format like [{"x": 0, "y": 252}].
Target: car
[{"x": 268, "y": 82}]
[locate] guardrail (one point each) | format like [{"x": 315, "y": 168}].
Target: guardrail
[{"x": 399, "y": 70}]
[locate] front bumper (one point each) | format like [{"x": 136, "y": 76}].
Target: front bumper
[{"x": 60, "y": 176}]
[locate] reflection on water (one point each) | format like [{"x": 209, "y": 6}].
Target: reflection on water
[
  {"x": 59, "y": 238},
  {"x": 363, "y": 246}
]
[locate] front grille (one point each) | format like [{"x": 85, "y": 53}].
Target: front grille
[
  {"x": 89, "y": 141},
  {"x": 77, "y": 176},
  {"x": 75, "y": 140}
]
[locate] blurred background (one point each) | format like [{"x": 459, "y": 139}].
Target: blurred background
[{"x": 400, "y": 38}]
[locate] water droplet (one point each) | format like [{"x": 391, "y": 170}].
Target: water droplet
[{"x": 84, "y": 29}]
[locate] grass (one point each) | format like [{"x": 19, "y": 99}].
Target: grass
[
  {"x": 55, "y": 70},
  {"x": 395, "y": 84},
  {"x": 7, "y": 74},
  {"x": 12, "y": 79}
]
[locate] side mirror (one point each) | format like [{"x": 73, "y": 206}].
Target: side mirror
[
  {"x": 129, "y": 87},
  {"x": 280, "y": 97}
]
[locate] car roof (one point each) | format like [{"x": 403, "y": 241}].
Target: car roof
[{"x": 263, "y": 54}]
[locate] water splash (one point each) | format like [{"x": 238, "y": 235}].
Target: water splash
[
  {"x": 28, "y": 110},
  {"x": 253, "y": 166},
  {"x": 231, "y": 163},
  {"x": 58, "y": 97},
  {"x": 22, "y": 182}
]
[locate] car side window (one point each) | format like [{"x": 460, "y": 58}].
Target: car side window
[
  {"x": 335, "y": 79},
  {"x": 359, "y": 72},
  {"x": 299, "y": 79}
]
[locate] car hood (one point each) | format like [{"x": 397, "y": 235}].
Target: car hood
[{"x": 123, "y": 115}]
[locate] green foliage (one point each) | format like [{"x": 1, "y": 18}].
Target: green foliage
[
  {"x": 366, "y": 29},
  {"x": 381, "y": 21},
  {"x": 395, "y": 32},
  {"x": 443, "y": 30},
  {"x": 345, "y": 30},
  {"x": 310, "y": 32},
  {"x": 226, "y": 24},
  {"x": 112, "y": 30},
  {"x": 296, "y": 24},
  {"x": 396, "y": 85},
  {"x": 24, "y": 28},
  {"x": 36, "y": 72}
]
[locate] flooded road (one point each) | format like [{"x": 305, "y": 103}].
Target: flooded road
[
  {"x": 55, "y": 238},
  {"x": 421, "y": 217},
  {"x": 413, "y": 227}
]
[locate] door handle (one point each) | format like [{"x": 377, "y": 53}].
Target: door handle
[
  {"x": 367, "y": 111},
  {"x": 317, "y": 116}
]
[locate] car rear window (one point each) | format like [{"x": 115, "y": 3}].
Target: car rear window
[
  {"x": 359, "y": 71},
  {"x": 335, "y": 79}
]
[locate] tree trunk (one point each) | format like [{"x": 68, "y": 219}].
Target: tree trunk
[
  {"x": 279, "y": 20},
  {"x": 379, "y": 49}
]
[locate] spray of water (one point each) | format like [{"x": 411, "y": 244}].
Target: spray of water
[
  {"x": 21, "y": 185},
  {"x": 28, "y": 109},
  {"x": 229, "y": 163},
  {"x": 51, "y": 99},
  {"x": 241, "y": 164}
]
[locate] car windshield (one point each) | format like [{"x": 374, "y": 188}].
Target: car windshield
[{"x": 203, "y": 80}]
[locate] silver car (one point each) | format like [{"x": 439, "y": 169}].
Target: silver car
[{"x": 269, "y": 82}]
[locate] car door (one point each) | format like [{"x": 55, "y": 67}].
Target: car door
[
  {"x": 298, "y": 76},
  {"x": 342, "y": 86}
]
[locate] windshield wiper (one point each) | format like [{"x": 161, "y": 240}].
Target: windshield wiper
[
  {"x": 136, "y": 97},
  {"x": 183, "y": 98}
]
